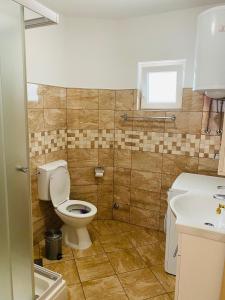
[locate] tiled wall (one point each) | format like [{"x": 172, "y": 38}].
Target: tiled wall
[{"x": 141, "y": 158}]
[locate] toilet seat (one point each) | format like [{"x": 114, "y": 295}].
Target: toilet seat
[{"x": 64, "y": 208}]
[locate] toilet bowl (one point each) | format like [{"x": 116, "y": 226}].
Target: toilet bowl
[{"x": 75, "y": 214}]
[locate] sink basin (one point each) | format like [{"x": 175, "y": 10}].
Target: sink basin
[{"x": 198, "y": 211}]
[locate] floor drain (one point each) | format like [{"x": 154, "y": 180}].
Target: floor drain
[{"x": 209, "y": 224}]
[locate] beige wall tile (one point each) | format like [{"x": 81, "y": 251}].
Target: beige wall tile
[
  {"x": 145, "y": 199},
  {"x": 105, "y": 195},
  {"x": 106, "y": 157},
  {"x": 82, "y": 99},
  {"x": 82, "y": 176},
  {"x": 176, "y": 164},
  {"x": 35, "y": 120},
  {"x": 186, "y": 122},
  {"x": 84, "y": 192},
  {"x": 146, "y": 180},
  {"x": 122, "y": 158},
  {"x": 54, "y": 97},
  {"x": 208, "y": 166},
  {"x": 104, "y": 213},
  {"x": 82, "y": 119},
  {"x": 155, "y": 126},
  {"x": 167, "y": 181},
  {"x": 55, "y": 119},
  {"x": 144, "y": 217},
  {"x": 107, "y": 99},
  {"x": 120, "y": 123},
  {"x": 146, "y": 161},
  {"x": 122, "y": 213},
  {"x": 124, "y": 99},
  {"x": 56, "y": 155},
  {"x": 192, "y": 101},
  {"x": 121, "y": 194},
  {"x": 214, "y": 122},
  {"x": 36, "y": 162},
  {"x": 82, "y": 158},
  {"x": 122, "y": 176},
  {"x": 107, "y": 178},
  {"x": 106, "y": 119}
]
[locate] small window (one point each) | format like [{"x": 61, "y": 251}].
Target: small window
[
  {"x": 32, "y": 92},
  {"x": 161, "y": 84}
]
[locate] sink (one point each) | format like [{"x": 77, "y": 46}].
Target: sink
[{"x": 197, "y": 212}]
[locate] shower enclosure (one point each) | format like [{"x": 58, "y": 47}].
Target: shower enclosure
[{"x": 16, "y": 263}]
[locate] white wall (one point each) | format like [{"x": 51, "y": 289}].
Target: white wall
[{"x": 97, "y": 53}]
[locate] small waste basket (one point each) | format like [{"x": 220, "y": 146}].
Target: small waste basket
[{"x": 53, "y": 244}]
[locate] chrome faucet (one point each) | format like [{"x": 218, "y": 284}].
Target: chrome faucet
[{"x": 220, "y": 196}]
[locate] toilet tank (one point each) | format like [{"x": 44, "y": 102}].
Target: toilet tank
[{"x": 44, "y": 173}]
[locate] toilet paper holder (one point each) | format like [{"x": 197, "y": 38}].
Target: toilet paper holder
[{"x": 99, "y": 171}]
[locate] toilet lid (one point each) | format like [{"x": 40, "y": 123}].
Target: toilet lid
[{"x": 59, "y": 186}]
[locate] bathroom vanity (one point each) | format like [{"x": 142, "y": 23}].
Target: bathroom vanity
[{"x": 201, "y": 247}]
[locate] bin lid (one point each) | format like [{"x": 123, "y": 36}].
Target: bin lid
[
  {"x": 53, "y": 234},
  {"x": 59, "y": 186}
]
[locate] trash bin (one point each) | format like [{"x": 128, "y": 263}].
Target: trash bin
[{"x": 53, "y": 244}]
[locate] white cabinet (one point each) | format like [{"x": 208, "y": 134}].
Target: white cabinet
[{"x": 200, "y": 264}]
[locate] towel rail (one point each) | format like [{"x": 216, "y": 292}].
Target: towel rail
[{"x": 125, "y": 117}]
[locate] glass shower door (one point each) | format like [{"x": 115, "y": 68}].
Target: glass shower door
[{"x": 16, "y": 266}]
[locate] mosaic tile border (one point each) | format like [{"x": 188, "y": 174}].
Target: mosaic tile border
[
  {"x": 47, "y": 141},
  {"x": 194, "y": 145}
]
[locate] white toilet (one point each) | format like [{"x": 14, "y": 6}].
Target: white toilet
[{"x": 54, "y": 185}]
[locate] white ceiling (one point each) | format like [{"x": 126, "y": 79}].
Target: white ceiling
[{"x": 120, "y": 8}]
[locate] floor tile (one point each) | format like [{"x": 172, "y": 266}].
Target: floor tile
[
  {"x": 143, "y": 237},
  {"x": 161, "y": 297},
  {"x": 36, "y": 252},
  {"x": 141, "y": 284},
  {"x": 94, "y": 267},
  {"x": 95, "y": 249},
  {"x": 106, "y": 227},
  {"x": 167, "y": 280},
  {"x": 114, "y": 242},
  {"x": 66, "y": 251},
  {"x": 67, "y": 269},
  {"x": 126, "y": 260},
  {"x": 152, "y": 254},
  {"x": 171, "y": 295},
  {"x": 108, "y": 288},
  {"x": 75, "y": 292}
]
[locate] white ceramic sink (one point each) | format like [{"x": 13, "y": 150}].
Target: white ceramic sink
[{"x": 198, "y": 211}]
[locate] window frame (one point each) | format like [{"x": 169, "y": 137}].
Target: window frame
[{"x": 144, "y": 68}]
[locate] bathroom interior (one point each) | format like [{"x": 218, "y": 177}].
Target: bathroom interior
[{"x": 112, "y": 182}]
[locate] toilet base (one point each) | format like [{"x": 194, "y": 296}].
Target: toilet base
[{"x": 76, "y": 238}]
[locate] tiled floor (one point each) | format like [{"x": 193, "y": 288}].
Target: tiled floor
[{"x": 124, "y": 262}]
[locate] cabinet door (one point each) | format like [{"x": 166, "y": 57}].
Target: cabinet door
[{"x": 221, "y": 169}]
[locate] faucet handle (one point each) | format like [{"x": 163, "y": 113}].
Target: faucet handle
[{"x": 221, "y": 187}]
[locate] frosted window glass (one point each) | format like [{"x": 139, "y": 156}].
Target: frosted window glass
[
  {"x": 32, "y": 92},
  {"x": 162, "y": 87}
]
